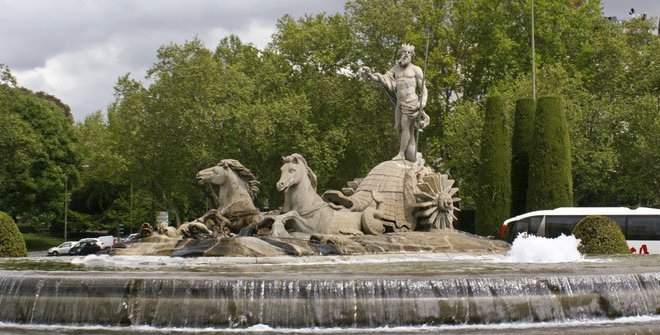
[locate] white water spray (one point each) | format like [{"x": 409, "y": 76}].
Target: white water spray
[{"x": 536, "y": 249}]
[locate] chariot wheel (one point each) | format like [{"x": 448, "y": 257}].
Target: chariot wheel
[{"x": 435, "y": 201}]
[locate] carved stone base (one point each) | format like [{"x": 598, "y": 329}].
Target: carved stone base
[{"x": 445, "y": 241}]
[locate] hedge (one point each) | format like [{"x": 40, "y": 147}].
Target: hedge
[
  {"x": 494, "y": 197},
  {"x": 11, "y": 240},
  {"x": 521, "y": 142},
  {"x": 550, "y": 179},
  {"x": 600, "y": 235}
]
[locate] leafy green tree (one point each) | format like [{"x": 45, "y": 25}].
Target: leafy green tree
[
  {"x": 346, "y": 112},
  {"x": 521, "y": 141},
  {"x": 637, "y": 143},
  {"x": 304, "y": 93},
  {"x": 37, "y": 139},
  {"x": 460, "y": 147},
  {"x": 550, "y": 181},
  {"x": 494, "y": 198}
]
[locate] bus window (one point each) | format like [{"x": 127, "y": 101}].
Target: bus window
[
  {"x": 534, "y": 224},
  {"x": 557, "y": 225},
  {"x": 621, "y": 220},
  {"x": 643, "y": 228},
  {"x": 516, "y": 228}
]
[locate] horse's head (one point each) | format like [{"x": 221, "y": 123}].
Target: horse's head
[
  {"x": 162, "y": 227},
  {"x": 294, "y": 171},
  {"x": 217, "y": 174}
]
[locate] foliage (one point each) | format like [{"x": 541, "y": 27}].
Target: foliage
[
  {"x": 550, "y": 182},
  {"x": 494, "y": 197},
  {"x": 11, "y": 240},
  {"x": 304, "y": 93},
  {"x": 636, "y": 141},
  {"x": 460, "y": 147},
  {"x": 40, "y": 242},
  {"x": 521, "y": 142},
  {"x": 600, "y": 235},
  {"x": 37, "y": 141}
]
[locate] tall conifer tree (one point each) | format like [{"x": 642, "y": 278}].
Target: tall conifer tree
[
  {"x": 521, "y": 140},
  {"x": 550, "y": 179},
  {"x": 494, "y": 199}
]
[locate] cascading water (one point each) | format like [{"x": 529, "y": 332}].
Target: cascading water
[
  {"x": 540, "y": 283},
  {"x": 200, "y": 300}
]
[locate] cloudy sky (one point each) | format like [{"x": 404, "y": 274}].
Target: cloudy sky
[{"x": 76, "y": 49}]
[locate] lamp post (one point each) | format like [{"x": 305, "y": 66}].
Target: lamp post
[
  {"x": 66, "y": 205},
  {"x": 533, "y": 58}
]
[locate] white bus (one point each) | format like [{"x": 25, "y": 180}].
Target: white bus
[{"x": 640, "y": 226}]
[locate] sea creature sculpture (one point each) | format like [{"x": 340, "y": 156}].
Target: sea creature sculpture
[
  {"x": 165, "y": 230},
  {"x": 305, "y": 212},
  {"x": 237, "y": 188}
]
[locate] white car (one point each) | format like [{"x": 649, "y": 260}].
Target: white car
[{"x": 62, "y": 249}]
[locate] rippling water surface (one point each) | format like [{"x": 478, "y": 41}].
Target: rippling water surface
[{"x": 546, "y": 276}]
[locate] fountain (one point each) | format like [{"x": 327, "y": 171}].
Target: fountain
[{"x": 378, "y": 256}]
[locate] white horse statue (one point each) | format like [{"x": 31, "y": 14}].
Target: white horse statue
[
  {"x": 237, "y": 187},
  {"x": 165, "y": 230},
  {"x": 305, "y": 212}
]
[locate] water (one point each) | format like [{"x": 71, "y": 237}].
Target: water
[
  {"x": 536, "y": 249},
  {"x": 626, "y": 325},
  {"x": 377, "y": 294}
]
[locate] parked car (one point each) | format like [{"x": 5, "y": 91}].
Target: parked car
[
  {"x": 107, "y": 241},
  {"x": 130, "y": 238},
  {"x": 62, "y": 249},
  {"x": 86, "y": 246},
  {"x": 92, "y": 239}
]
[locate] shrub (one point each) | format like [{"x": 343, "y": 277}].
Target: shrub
[
  {"x": 11, "y": 240},
  {"x": 550, "y": 181},
  {"x": 494, "y": 197},
  {"x": 600, "y": 235}
]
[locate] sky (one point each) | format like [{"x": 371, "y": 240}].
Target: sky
[{"x": 76, "y": 49}]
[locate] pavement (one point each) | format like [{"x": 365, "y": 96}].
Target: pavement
[{"x": 43, "y": 253}]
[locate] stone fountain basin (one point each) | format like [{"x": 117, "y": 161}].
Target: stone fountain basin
[{"x": 324, "y": 291}]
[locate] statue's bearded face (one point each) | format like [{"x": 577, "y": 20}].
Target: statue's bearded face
[{"x": 406, "y": 56}]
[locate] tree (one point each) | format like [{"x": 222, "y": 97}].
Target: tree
[
  {"x": 304, "y": 93},
  {"x": 38, "y": 140},
  {"x": 494, "y": 198},
  {"x": 460, "y": 147},
  {"x": 637, "y": 141},
  {"x": 550, "y": 180},
  {"x": 521, "y": 140}
]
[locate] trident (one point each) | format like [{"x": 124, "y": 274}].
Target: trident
[{"x": 419, "y": 123}]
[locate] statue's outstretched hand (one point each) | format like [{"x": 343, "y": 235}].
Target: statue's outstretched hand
[{"x": 368, "y": 72}]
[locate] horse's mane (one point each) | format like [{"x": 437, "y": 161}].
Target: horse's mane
[
  {"x": 298, "y": 158},
  {"x": 244, "y": 173}
]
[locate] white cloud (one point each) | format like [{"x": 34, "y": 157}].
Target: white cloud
[
  {"x": 83, "y": 79},
  {"x": 76, "y": 49}
]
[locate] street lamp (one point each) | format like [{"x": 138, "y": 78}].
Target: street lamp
[
  {"x": 533, "y": 58},
  {"x": 66, "y": 204}
]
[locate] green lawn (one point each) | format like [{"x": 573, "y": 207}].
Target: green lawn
[{"x": 40, "y": 242}]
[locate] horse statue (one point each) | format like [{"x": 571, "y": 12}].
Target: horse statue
[
  {"x": 237, "y": 188},
  {"x": 305, "y": 212},
  {"x": 165, "y": 230}
]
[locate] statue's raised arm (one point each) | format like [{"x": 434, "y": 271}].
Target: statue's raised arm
[{"x": 405, "y": 82}]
